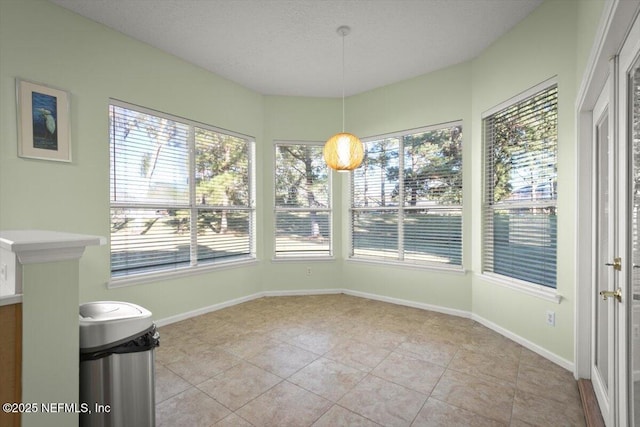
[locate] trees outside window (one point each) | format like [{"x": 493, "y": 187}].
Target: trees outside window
[
  {"x": 406, "y": 198},
  {"x": 521, "y": 170},
  {"x": 180, "y": 192},
  {"x": 302, "y": 201}
]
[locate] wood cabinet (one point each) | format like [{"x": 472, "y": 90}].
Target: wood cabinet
[{"x": 10, "y": 360}]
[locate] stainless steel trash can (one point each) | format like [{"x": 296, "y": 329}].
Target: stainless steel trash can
[{"x": 117, "y": 379}]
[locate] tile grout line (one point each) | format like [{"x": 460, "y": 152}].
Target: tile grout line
[{"x": 291, "y": 313}]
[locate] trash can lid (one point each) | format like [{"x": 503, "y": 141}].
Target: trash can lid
[
  {"x": 111, "y": 322},
  {"x": 100, "y": 311}
]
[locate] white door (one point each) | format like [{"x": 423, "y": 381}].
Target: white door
[
  {"x": 629, "y": 77},
  {"x": 608, "y": 331},
  {"x": 604, "y": 311},
  {"x": 615, "y": 367},
  {"x": 634, "y": 346}
]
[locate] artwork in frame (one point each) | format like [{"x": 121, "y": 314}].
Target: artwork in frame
[{"x": 43, "y": 122}]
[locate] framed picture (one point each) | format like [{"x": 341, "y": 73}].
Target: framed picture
[{"x": 43, "y": 122}]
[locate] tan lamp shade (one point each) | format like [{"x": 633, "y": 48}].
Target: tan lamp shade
[{"x": 343, "y": 152}]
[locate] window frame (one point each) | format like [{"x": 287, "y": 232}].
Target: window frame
[
  {"x": 301, "y": 255},
  {"x": 531, "y": 288},
  {"x": 194, "y": 266},
  {"x": 401, "y": 208}
]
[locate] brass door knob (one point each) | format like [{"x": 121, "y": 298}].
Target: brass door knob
[
  {"x": 616, "y": 264},
  {"x": 617, "y": 294}
]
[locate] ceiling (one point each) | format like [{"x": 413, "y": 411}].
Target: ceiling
[{"x": 291, "y": 47}]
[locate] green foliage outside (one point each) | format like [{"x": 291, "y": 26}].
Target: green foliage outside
[{"x": 520, "y": 138}]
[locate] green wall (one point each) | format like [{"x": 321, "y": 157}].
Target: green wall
[
  {"x": 438, "y": 97},
  {"x": 42, "y": 42},
  {"x": 543, "y": 46},
  {"x": 588, "y": 15},
  {"x": 554, "y": 41},
  {"x": 297, "y": 119}
]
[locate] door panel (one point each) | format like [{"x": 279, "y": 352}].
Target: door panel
[
  {"x": 603, "y": 346},
  {"x": 629, "y": 233},
  {"x": 634, "y": 216},
  {"x": 609, "y": 220}
]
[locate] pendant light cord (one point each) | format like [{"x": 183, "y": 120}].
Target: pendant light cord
[
  {"x": 343, "y": 36},
  {"x": 343, "y": 31}
]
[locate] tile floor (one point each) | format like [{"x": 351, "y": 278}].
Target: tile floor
[{"x": 339, "y": 360}]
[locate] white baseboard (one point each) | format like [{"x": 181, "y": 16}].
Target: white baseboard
[
  {"x": 204, "y": 310},
  {"x": 408, "y": 303},
  {"x": 525, "y": 343},
  {"x": 215, "y": 307},
  {"x": 445, "y": 310},
  {"x": 299, "y": 292}
]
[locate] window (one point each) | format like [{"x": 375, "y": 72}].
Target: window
[
  {"x": 520, "y": 222},
  {"x": 181, "y": 193},
  {"x": 302, "y": 201},
  {"x": 406, "y": 201}
]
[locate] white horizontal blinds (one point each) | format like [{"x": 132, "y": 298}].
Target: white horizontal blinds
[
  {"x": 375, "y": 234},
  {"x": 224, "y": 214},
  {"x": 148, "y": 238},
  {"x": 149, "y": 158},
  {"x": 224, "y": 234},
  {"x": 375, "y": 182},
  {"x": 520, "y": 221},
  {"x": 149, "y": 191},
  {"x": 375, "y": 191},
  {"x": 222, "y": 169},
  {"x": 302, "y": 176},
  {"x": 433, "y": 167},
  {"x": 432, "y": 221},
  {"x": 433, "y": 236},
  {"x": 180, "y": 193},
  {"x": 302, "y": 201},
  {"x": 302, "y": 233},
  {"x": 406, "y": 198}
]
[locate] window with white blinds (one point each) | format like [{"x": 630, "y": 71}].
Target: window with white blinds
[
  {"x": 406, "y": 198},
  {"x": 181, "y": 192},
  {"x": 520, "y": 221},
  {"x": 302, "y": 201}
]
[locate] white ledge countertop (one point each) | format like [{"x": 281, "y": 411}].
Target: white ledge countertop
[{"x": 32, "y": 246}]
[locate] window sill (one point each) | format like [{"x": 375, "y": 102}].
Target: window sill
[
  {"x": 539, "y": 291},
  {"x": 303, "y": 259},
  {"x": 432, "y": 267},
  {"x": 158, "y": 276}
]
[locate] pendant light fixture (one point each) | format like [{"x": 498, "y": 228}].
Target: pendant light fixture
[{"x": 343, "y": 151}]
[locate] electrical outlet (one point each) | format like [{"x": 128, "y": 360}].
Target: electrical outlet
[
  {"x": 551, "y": 318},
  {"x": 308, "y": 271}
]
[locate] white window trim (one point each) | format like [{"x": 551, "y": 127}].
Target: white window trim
[
  {"x": 153, "y": 275},
  {"x": 533, "y": 289},
  {"x": 177, "y": 273},
  {"x": 401, "y": 263},
  {"x": 276, "y": 209},
  {"x": 455, "y": 269},
  {"x": 529, "y": 288},
  {"x": 319, "y": 258}
]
